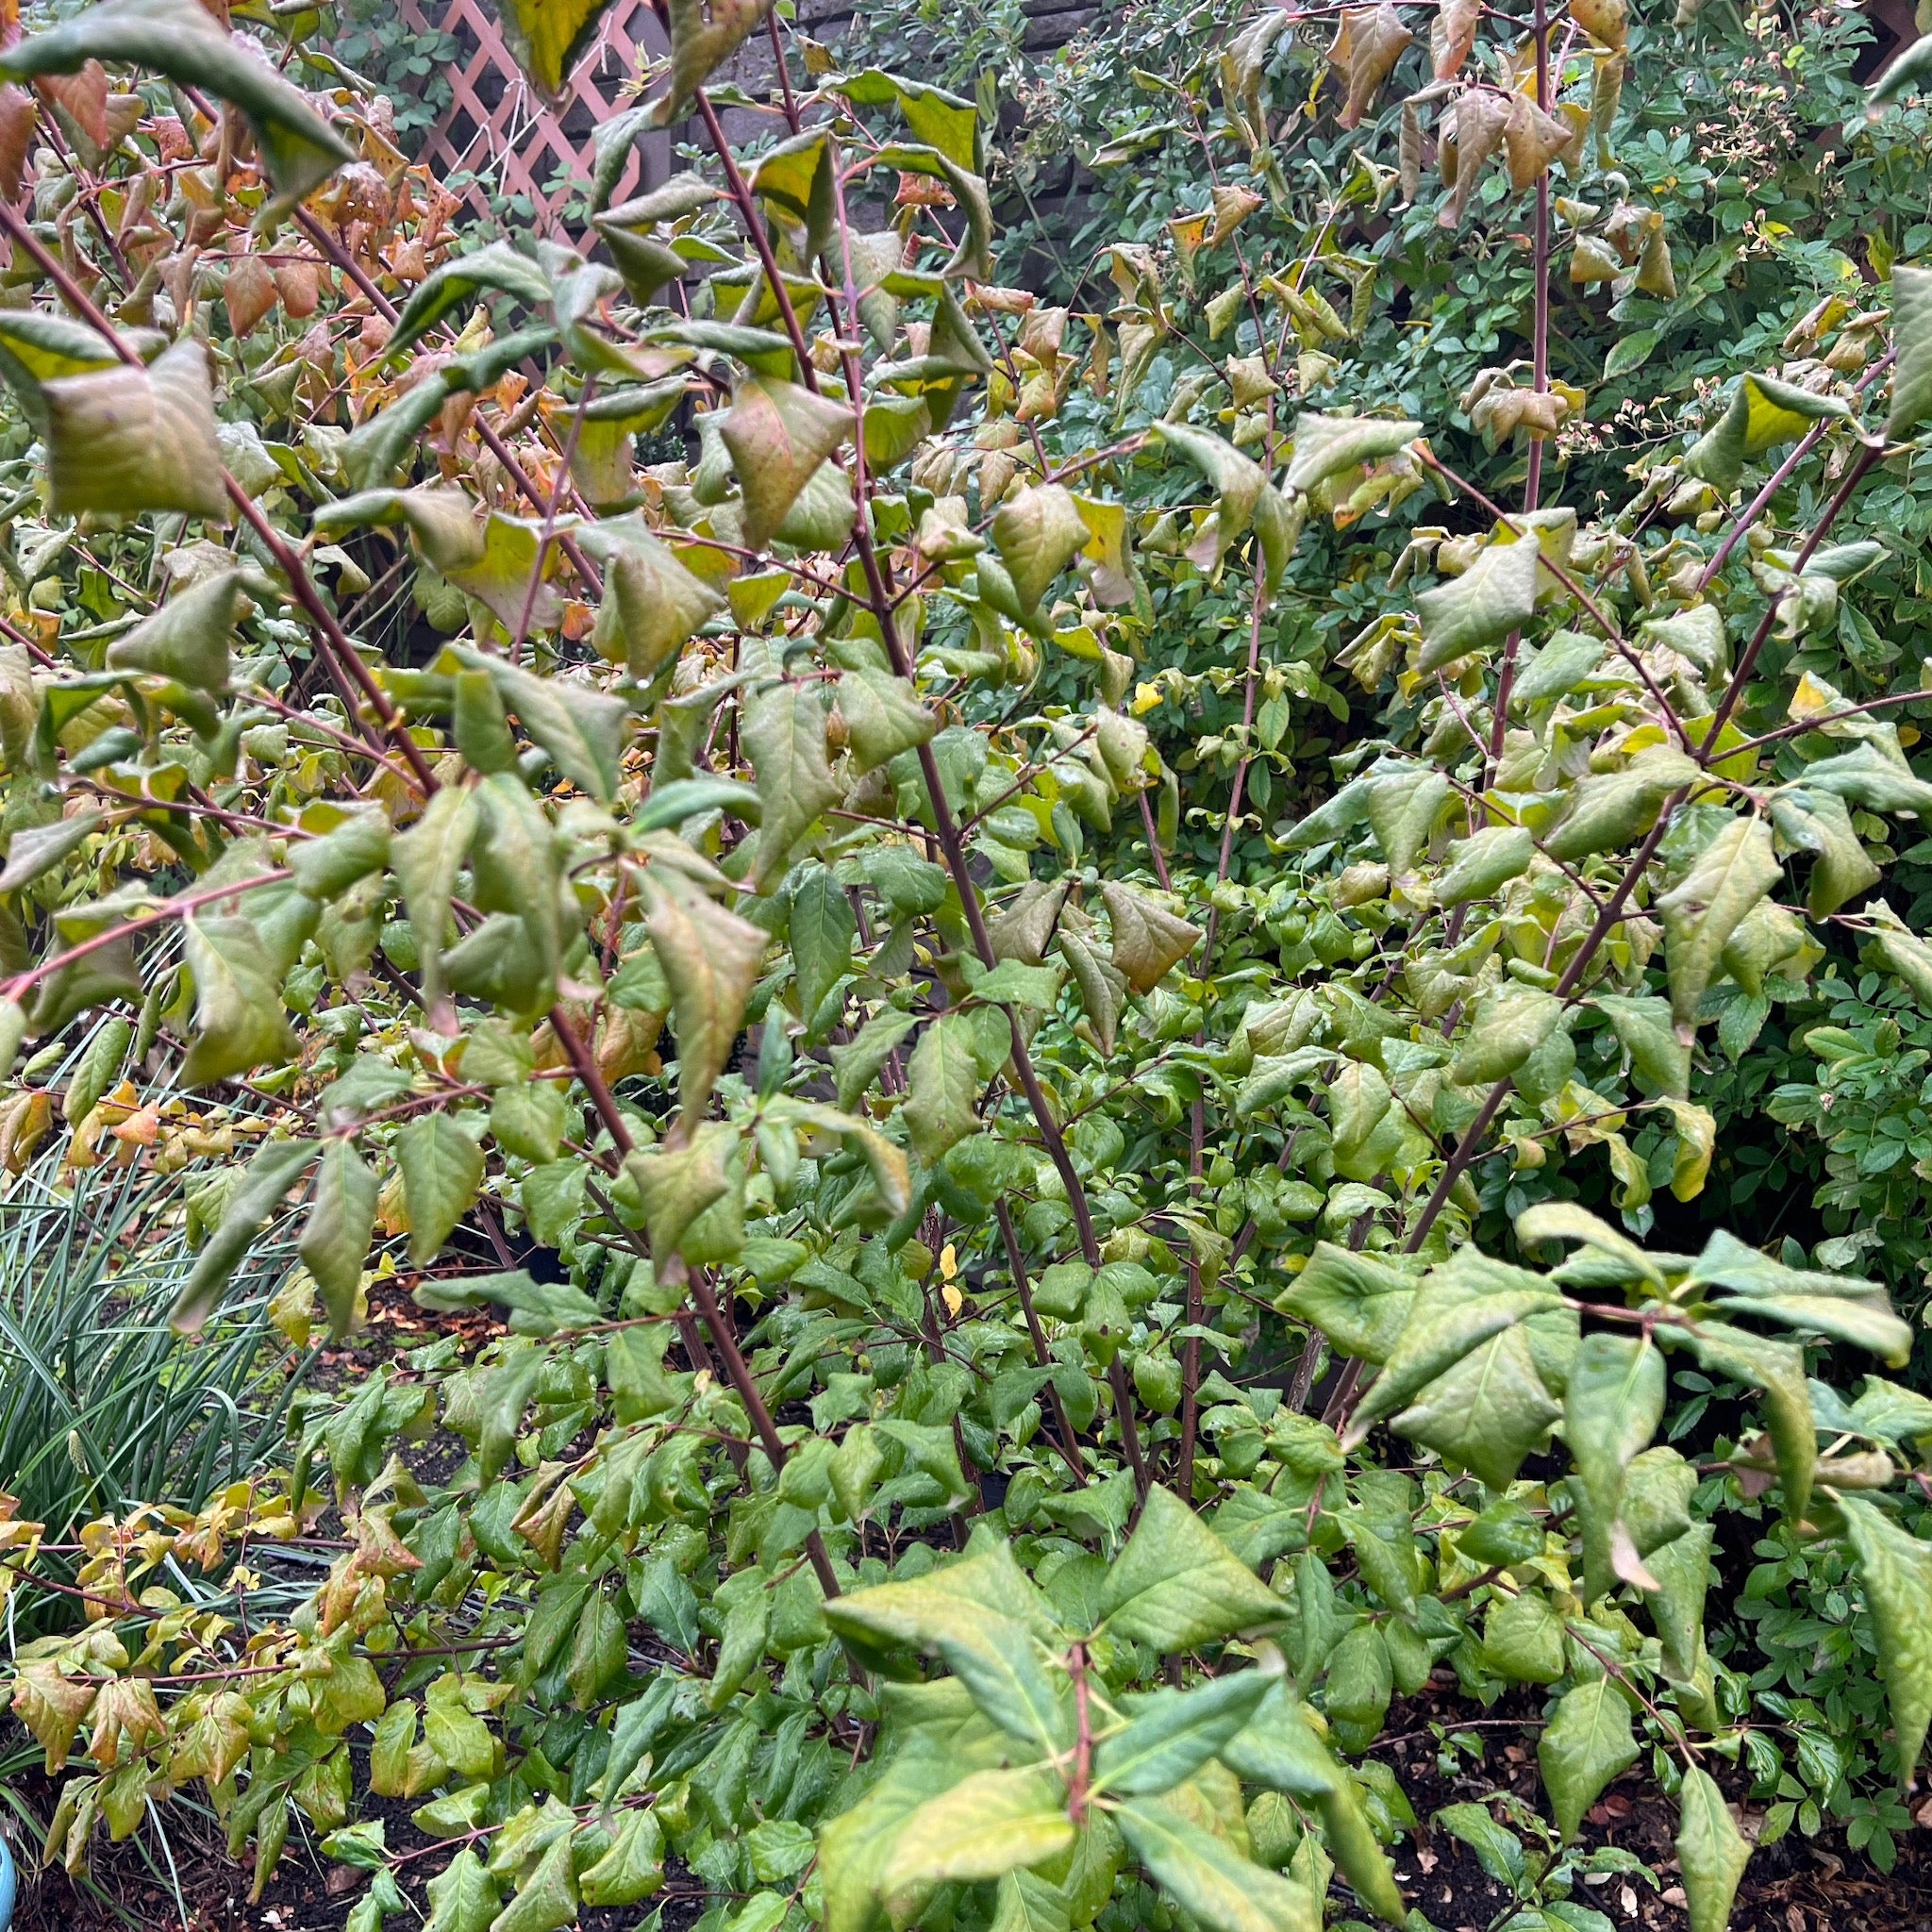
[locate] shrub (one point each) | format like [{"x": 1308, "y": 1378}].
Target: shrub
[{"x": 1064, "y": 1083}]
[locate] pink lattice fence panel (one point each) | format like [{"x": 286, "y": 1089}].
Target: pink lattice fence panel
[{"x": 500, "y": 130}]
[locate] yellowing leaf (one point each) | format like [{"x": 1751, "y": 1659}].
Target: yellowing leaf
[
  {"x": 1147, "y": 939},
  {"x": 1452, "y": 34},
  {"x": 1037, "y": 532},
  {"x": 779, "y": 434},
  {"x": 127, "y": 439},
  {"x": 711, "y": 959},
  {"x": 185, "y": 41}
]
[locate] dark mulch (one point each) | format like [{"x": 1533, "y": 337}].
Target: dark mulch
[{"x": 1795, "y": 1884}]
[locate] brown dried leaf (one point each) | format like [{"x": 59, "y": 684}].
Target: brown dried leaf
[
  {"x": 249, "y": 291},
  {"x": 1453, "y": 35},
  {"x": 299, "y": 284},
  {"x": 82, "y": 96},
  {"x": 1482, "y": 118},
  {"x": 1534, "y": 139},
  {"x": 19, "y": 112},
  {"x": 1374, "y": 38}
]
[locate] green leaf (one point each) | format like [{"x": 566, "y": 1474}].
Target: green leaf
[
  {"x": 1403, "y": 810},
  {"x": 1505, "y": 1026},
  {"x": 1178, "y": 1584},
  {"x": 999, "y": 1663},
  {"x": 974, "y": 255},
  {"x": 1612, "y": 1408},
  {"x": 1877, "y": 1329},
  {"x": 187, "y": 638},
  {"x": 344, "y": 854},
  {"x": 1820, "y": 823},
  {"x": 855, "y": 1067},
  {"x": 462, "y": 1898},
  {"x": 653, "y": 604},
  {"x": 1564, "y": 1221},
  {"x": 181, "y": 40},
  {"x": 335, "y": 1242},
  {"x": 1498, "y": 1851},
  {"x": 942, "y": 1086},
  {"x": 1911, "y": 303},
  {"x": 581, "y": 728},
  {"x": 441, "y": 1167},
  {"x": 36, "y": 850},
  {"x": 250, "y": 1203},
  {"x": 1484, "y": 861},
  {"x": 1778, "y": 1369},
  {"x": 1711, "y": 1852},
  {"x": 546, "y": 1901},
  {"x": 778, "y": 435},
  {"x": 1443, "y": 1326},
  {"x": 1026, "y": 1903},
  {"x": 427, "y": 858},
  {"x": 989, "y": 1823},
  {"x": 704, "y": 35},
  {"x": 239, "y": 1021},
  {"x": 1174, "y": 1732},
  {"x": 1630, "y": 352},
  {"x": 1586, "y": 1743},
  {"x": 942, "y": 120},
  {"x": 1488, "y": 1413},
  {"x": 1496, "y": 596},
  {"x": 127, "y": 439},
  {"x": 1205, "y": 1876},
  {"x": 1522, "y": 1638},
  {"x": 783, "y": 731},
  {"x": 712, "y": 959},
  {"x": 1647, "y": 1033},
  {"x": 1682, "y": 1569},
  {"x": 1896, "y": 1569},
  {"x": 1700, "y": 913},
  {"x": 677, "y": 1185},
  {"x": 497, "y": 269},
  {"x": 1607, "y": 809},
  {"x": 1866, "y": 777},
  {"x": 632, "y": 1869},
  {"x": 1278, "y": 1749},
  {"x": 1324, "y": 446},
  {"x": 948, "y": 1603},
  {"x": 528, "y": 1119},
  {"x": 821, "y": 931},
  {"x": 883, "y": 716},
  {"x": 1763, "y": 412},
  {"x": 1039, "y": 532},
  {"x": 1359, "y": 1302},
  {"x": 1243, "y": 497}
]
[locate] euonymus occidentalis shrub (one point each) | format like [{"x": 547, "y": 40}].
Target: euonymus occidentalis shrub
[{"x": 768, "y": 896}]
